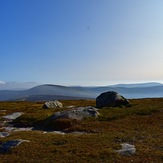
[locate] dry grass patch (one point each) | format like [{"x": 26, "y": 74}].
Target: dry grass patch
[{"x": 141, "y": 124}]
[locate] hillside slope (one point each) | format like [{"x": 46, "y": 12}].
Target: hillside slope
[{"x": 45, "y": 92}]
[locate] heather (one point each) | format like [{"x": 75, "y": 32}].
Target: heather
[{"x": 97, "y": 140}]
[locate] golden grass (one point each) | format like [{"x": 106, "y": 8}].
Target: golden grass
[{"x": 140, "y": 124}]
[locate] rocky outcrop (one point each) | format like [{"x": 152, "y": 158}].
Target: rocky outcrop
[
  {"x": 52, "y": 104},
  {"x": 64, "y": 120},
  {"x": 76, "y": 113},
  {"x": 110, "y": 99},
  {"x": 6, "y": 124}
]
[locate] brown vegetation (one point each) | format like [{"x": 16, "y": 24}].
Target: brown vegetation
[{"x": 140, "y": 124}]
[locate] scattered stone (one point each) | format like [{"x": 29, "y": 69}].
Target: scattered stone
[
  {"x": 6, "y": 146},
  {"x": 9, "y": 129},
  {"x": 4, "y": 134},
  {"x": 52, "y": 104},
  {"x": 63, "y": 133},
  {"x": 70, "y": 107},
  {"x": 3, "y": 123},
  {"x": 110, "y": 99},
  {"x": 127, "y": 149},
  {"x": 77, "y": 113},
  {"x": 3, "y": 110},
  {"x": 55, "y": 132},
  {"x": 13, "y": 115},
  {"x": 78, "y": 133}
]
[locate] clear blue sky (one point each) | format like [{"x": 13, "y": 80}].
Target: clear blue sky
[{"x": 81, "y": 42}]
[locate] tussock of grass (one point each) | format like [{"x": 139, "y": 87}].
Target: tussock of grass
[{"x": 140, "y": 124}]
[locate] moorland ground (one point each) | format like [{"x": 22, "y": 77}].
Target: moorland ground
[{"x": 140, "y": 124}]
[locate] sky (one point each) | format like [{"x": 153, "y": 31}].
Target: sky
[{"x": 81, "y": 42}]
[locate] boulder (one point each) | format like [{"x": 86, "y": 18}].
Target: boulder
[
  {"x": 52, "y": 104},
  {"x": 110, "y": 99},
  {"x": 66, "y": 119},
  {"x": 76, "y": 113}
]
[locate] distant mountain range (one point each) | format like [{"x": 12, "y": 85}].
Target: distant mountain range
[
  {"x": 52, "y": 92},
  {"x": 151, "y": 84}
]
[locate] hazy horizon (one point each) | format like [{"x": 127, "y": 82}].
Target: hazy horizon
[
  {"x": 30, "y": 84},
  {"x": 84, "y": 42}
]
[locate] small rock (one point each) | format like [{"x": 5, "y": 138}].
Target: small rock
[
  {"x": 6, "y": 146},
  {"x": 52, "y": 104},
  {"x": 4, "y": 134},
  {"x": 70, "y": 107},
  {"x": 54, "y": 132},
  {"x": 3, "y": 123},
  {"x": 3, "y": 110},
  {"x": 14, "y": 129},
  {"x": 13, "y": 115},
  {"x": 78, "y": 133},
  {"x": 127, "y": 149}
]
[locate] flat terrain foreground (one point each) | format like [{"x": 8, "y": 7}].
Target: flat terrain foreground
[{"x": 140, "y": 124}]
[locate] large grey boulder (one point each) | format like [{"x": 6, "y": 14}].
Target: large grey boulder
[
  {"x": 110, "y": 99},
  {"x": 76, "y": 113},
  {"x": 52, "y": 104}
]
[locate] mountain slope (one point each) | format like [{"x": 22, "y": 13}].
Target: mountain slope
[{"x": 44, "y": 92}]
